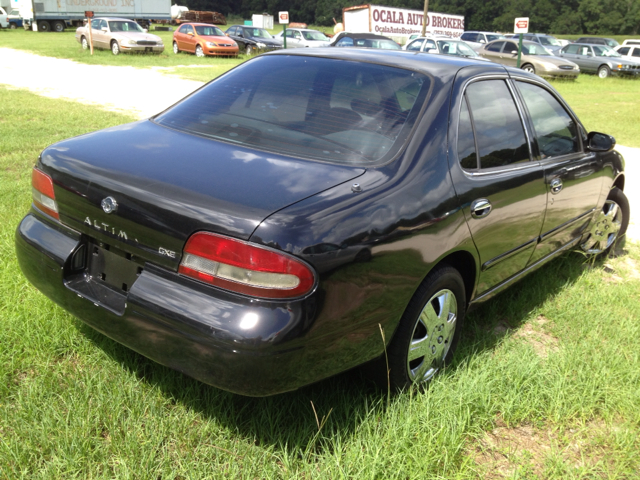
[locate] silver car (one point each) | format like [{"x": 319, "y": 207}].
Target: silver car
[
  {"x": 119, "y": 35},
  {"x": 445, "y": 46},
  {"x": 599, "y": 59},
  {"x": 302, "y": 37}
]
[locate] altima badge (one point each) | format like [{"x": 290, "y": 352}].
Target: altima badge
[{"x": 109, "y": 204}]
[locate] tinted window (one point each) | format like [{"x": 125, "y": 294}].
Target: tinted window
[
  {"x": 511, "y": 47},
  {"x": 556, "y": 132},
  {"x": 470, "y": 37},
  {"x": 499, "y": 132},
  {"x": 636, "y": 52},
  {"x": 232, "y": 31},
  {"x": 415, "y": 45},
  {"x": 623, "y": 50},
  {"x": 341, "y": 111},
  {"x": 345, "y": 42},
  {"x": 466, "y": 142},
  {"x": 495, "y": 47},
  {"x": 573, "y": 49}
]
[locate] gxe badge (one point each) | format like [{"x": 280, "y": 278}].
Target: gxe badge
[{"x": 109, "y": 204}]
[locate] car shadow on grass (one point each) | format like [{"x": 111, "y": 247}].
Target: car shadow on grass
[{"x": 291, "y": 421}]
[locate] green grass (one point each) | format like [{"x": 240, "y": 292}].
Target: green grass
[{"x": 546, "y": 383}]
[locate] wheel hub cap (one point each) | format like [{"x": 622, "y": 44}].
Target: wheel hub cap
[
  {"x": 604, "y": 230},
  {"x": 432, "y": 336}
]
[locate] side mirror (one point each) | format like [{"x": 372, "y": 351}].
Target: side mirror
[
  {"x": 104, "y": 29},
  {"x": 190, "y": 33},
  {"x": 600, "y": 142}
]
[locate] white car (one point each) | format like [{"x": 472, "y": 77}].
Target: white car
[
  {"x": 302, "y": 37},
  {"x": 629, "y": 51}
]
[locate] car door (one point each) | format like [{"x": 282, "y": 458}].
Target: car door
[
  {"x": 97, "y": 35},
  {"x": 189, "y": 39},
  {"x": 573, "y": 177},
  {"x": 493, "y": 51},
  {"x": 509, "y": 54},
  {"x": 500, "y": 188},
  {"x": 583, "y": 56}
]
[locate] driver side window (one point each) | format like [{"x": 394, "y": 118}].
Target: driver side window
[{"x": 556, "y": 131}]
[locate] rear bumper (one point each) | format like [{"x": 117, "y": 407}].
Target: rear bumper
[{"x": 234, "y": 343}]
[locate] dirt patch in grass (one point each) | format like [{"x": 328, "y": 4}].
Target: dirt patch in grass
[
  {"x": 532, "y": 333},
  {"x": 533, "y": 452}
]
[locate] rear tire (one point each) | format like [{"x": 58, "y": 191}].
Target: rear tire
[
  {"x": 13, "y": 26},
  {"x": 58, "y": 26},
  {"x": 44, "y": 26},
  {"x": 429, "y": 330},
  {"x": 604, "y": 72},
  {"x": 115, "y": 48}
]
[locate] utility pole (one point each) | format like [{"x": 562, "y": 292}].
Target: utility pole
[{"x": 425, "y": 18}]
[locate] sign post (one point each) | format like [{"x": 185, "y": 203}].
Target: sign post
[
  {"x": 89, "y": 15},
  {"x": 520, "y": 26},
  {"x": 283, "y": 18}
]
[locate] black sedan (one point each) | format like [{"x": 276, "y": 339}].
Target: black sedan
[
  {"x": 272, "y": 228},
  {"x": 253, "y": 39}
]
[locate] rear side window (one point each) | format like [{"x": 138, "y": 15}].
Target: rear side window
[
  {"x": 333, "y": 110},
  {"x": 556, "y": 131},
  {"x": 499, "y": 134},
  {"x": 495, "y": 47}
]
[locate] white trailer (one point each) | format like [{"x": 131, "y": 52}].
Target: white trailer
[
  {"x": 56, "y": 15},
  {"x": 399, "y": 23}
]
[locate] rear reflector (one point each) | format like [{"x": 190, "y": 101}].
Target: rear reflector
[
  {"x": 42, "y": 193},
  {"x": 245, "y": 268}
]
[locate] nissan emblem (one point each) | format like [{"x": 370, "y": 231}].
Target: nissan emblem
[{"x": 109, "y": 204}]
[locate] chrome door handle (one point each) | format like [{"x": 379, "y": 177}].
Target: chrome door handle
[
  {"x": 556, "y": 185},
  {"x": 480, "y": 208}
]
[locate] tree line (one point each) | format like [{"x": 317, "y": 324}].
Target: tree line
[{"x": 596, "y": 17}]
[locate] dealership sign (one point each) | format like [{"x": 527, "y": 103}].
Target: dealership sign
[
  {"x": 399, "y": 22},
  {"x": 521, "y": 25}
]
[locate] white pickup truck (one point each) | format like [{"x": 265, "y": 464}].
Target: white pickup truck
[{"x": 4, "y": 21}]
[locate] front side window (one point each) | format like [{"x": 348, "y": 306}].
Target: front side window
[
  {"x": 415, "y": 45},
  {"x": 333, "y": 110},
  {"x": 498, "y": 129},
  {"x": 556, "y": 131},
  {"x": 345, "y": 42},
  {"x": 495, "y": 47}
]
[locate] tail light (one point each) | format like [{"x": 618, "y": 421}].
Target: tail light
[
  {"x": 244, "y": 268},
  {"x": 42, "y": 192}
]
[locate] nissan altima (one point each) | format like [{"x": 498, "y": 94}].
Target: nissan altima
[{"x": 272, "y": 228}]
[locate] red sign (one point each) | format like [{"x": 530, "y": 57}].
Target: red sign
[{"x": 88, "y": 14}]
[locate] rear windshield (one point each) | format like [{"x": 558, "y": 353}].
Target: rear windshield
[{"x": 333, "y": 110}]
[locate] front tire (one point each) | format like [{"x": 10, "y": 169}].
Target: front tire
[
  {"x": 58, "y": 26},
  {"x": 85, "y": 43},
  {"x": 248, "y": 50},
  {"x": 529, "y": 68},
  {"x": 199, "y": 51},
  {"x": 604, "y": 72},
  {"x": 610, "y": 224},
  {"x": 176, "y": 50},
  {"x": 429, "y": 330},
  {"x": 115, "y": 48}
]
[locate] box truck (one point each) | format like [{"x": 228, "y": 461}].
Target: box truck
[{"x": 56, "y": 15}]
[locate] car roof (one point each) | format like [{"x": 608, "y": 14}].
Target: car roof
[
  {"x": 114, "y": 18},
  {"x": 200, "y": 24},
  {"x": 446, "y": 65},
  {"x": 366, "y": 35}
]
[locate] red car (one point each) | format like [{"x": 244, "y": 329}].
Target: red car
[{"x": 203, "y": 39}]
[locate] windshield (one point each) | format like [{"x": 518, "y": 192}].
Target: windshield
[
  {"x": 314, "y": 36},
  {"x": 257, "y": 33},
  {"x": 549, "y": 41},
  {"x": 123, "y": 26},
  {"x": 458, "y": 48},
  {"x": 491, "y": 37},
  {"x": 612, "y": 43},
  {"x": 534, "y": 49},
  {"x": 333, "y": 110},
  {"x": 602, "y": 51},
  {"x": 208, "y": 31}
]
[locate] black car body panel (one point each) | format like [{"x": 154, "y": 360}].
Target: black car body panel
[{"x": 371, "y": 233}]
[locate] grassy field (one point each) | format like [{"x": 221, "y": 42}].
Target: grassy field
[{"x": 546, "y": 383}]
